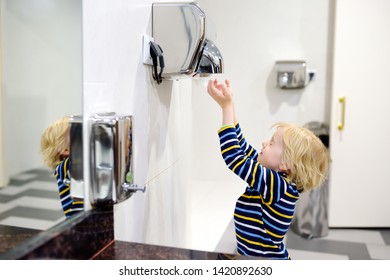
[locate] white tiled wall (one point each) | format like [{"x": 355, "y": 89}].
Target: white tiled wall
[
  {"x": 115, "y": 79},
  {"x": 190, "y": 194}
]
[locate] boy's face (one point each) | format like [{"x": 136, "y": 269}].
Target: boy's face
[{"x": 271, "y": 154}]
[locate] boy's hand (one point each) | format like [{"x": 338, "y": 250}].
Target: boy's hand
[{"x": 221, "y": 93}]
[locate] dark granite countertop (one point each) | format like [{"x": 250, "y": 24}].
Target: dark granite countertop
[
  {"x": 90, "y": 236},
  {"x": 121, "y": 250},
  {"x": 11, "y": 237},
  {"x": 78, "y": 238}
]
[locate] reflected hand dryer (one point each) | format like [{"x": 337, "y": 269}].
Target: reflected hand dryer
[{"x": 180, "y": 30}]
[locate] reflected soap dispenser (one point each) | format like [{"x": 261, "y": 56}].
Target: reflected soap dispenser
[
  {"x": 76, "y": 157},
  {"x": 111, "y": 159}
]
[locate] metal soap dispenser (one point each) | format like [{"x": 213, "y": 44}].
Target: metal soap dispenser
[{"x": 111, "y": 159}]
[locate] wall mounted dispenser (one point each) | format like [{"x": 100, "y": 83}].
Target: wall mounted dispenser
[
  {"x": 76, "y": 157},
  {"x": 180, "y": 30},
  {"x": 111, "y": 159},
  {"x": 291, "y": 74}
]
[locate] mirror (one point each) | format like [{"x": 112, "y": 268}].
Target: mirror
[{"x": 41, "y": 77}]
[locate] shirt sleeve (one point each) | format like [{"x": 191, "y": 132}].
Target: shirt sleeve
[
  {"x": 245, "y": 146},
  {"x": 241, "y": 158}
]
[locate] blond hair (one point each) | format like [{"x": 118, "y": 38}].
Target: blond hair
[
  {"x": 307, "y": 157},
  {"x": 54, "y": 141}
]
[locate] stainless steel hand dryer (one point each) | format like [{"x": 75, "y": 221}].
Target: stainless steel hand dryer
[{"x": 180, "y": 30}]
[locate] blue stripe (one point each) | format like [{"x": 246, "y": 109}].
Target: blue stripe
[
  {"x": 225, "y": 135},
  {"x": 241, "y": 251},
  {"x": 259, "y": 178},
  {"x": 242, "y": 168},
  {"x": 249, "y": 211},
  {"x": 278, "y": 190},
  {"x": 274, "y": 227},
  {"x": 294, "y": 191},
  {"x": 289, "y": 210},
  {"x": 66, "y": 204},
  {"x": 232, "y": 155},
  {"x": 253, "y": 235}
]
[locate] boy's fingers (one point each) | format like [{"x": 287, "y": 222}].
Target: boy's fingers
[
  {"x": 210, "y": 86},
  {"x": 211, "y": 89}
]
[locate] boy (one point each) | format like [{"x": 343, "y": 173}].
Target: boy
[
  {"x": 294, "y": 160},
  {"x": 55, "y": 150}
]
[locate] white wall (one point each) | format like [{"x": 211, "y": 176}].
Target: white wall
[
  {"x": 42, "y": 73},
  {"x": 176, "y": 148},
  {"x": 115, "y": 79}
]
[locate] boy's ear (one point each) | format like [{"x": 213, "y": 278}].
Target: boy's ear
[{"x": 285, "y": 167}]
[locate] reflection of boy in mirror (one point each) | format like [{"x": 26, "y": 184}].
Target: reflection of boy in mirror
[{"x": 55, "y": 150}]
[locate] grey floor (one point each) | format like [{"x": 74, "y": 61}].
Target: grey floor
[
  {"x": 337, "y": 244},
  {"x": 31, "y": 201}
]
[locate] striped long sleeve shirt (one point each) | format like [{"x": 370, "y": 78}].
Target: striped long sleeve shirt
[
  {"x": 69, "y": 206},
  {"x": 263, "y": 213}
]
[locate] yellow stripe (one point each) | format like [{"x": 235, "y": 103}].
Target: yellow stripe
[
  {"x": 249, "y": 219},
  {"x": 77, "y": 202},
  {"x": 230, "y": 148},
  {"x": 239, "y": 163},
  {"x": 276, "y": 212},
  {"x": 280, "y": 214},
  {"x": 292, "y": 196},
  {"x": 251, "y": 196},
  {"x": 65, "y": 190},
  {"x": 287, "y": 180},
  {"x": 250, "y": 152},
  {"x": 269, "y": 207},
  {"x": 273, "y": 234},
  {"x": 256, "y": 243},
  {"x": 224, "y": 127},
  {"x": 260, "y": 222},
  {"x": 65, "y": 165},
  {"x": 67, "y": 211},
  {"x": 271, "y": 188},
  {"x": 253, "y": 174}
]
